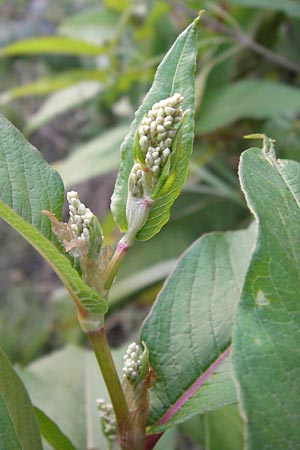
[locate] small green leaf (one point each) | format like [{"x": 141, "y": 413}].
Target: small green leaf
[
  {"x": 52, "y": 433},
  {"x": 51, "y": 44},
  {"x": 188, "y": 332},
  {"x": 49, "y": 84},
  {"x": 257, "y": 99},
  {"x": 18, "y": 425},
  {"x": 27, "y": 183},
  {"x": 266, "y": 334},
  {"x": 175, "y": 74}
]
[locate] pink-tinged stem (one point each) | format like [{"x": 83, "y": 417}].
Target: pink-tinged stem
[
  {"x": 151, "y": 439},
  {"x": 114, "y": 264}
]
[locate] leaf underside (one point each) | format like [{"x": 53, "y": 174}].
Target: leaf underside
[{"x": 188, "y": 332}]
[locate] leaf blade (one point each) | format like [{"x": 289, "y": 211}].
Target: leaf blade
[
  {"x": 27, "y": 183},
  {"x": 52, "y": 433},
  {"x": 51, "y": 44},
  {"x": 267, "y": 324},
  {"x": 201, "y": 293},
  {"x": 82, "y": 295},
  {"x": 19, "y": 429},
  {"x": 175, "y": 73}
]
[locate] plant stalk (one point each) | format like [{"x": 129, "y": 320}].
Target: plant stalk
[
  {"x": 102, "y": 352},
  {"x": 122, "y": 248}
]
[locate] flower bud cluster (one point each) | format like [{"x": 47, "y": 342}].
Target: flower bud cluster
[
  {"x": 136, "y": 181},
  {"x": 157, "y": 130},
  {"x": 132, "y": 362},
  {"x": 80, "y": 217},
  {"x": 108, "y": 419}
]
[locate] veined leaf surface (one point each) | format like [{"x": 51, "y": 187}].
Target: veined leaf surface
[
  {"x": 29, "y": 185},
  {"x": 174, "y": 74},
  {"x": 188, "y": 332},
  {"x": 267, "y": 329}
]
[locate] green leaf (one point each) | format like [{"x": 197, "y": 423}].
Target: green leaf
[
  {"x": 52, "y": 433},
  {"x": 96, "y": 157},
  {"x": 46, "y": 85},
  {"x": 174, "y": 74},
  {"x": 82, "y": 295},
  {"x": 78, "y": 384},
  {"x": 256, "y": 99},
  {"x": 188, "y": 332},
  {"x": 28, "y": 184},
  {"x": 94, "y": 25},
  {"x": 18, "y": 426},
  {"x": 266, "y": 336},
  {"x": 290, "y": 7},
  {"x": 63, "y": 101},
  {"x": 51, "y": 44}
]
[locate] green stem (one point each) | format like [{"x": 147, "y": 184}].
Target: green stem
[
  {"x": 102, "y": 352},
  {"x": 122, "y": 248}
]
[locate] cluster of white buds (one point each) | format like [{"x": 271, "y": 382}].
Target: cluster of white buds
[
  {"x": 108, "y": 419},
  {"x": 136, "y": 181},
  {"x": 132, "y": 362},
  {"x": 157, "y": 130},
  {"x": 80, "y": 217}
]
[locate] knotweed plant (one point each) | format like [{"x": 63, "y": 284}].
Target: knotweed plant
[
  {"x": 232, "y": 293},
  {"x": 154, "y": 164}
]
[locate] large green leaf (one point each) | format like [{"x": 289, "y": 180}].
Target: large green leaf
[
  {"x": 92, "y": 158},
  {"x": 78, "y": 384},
  {"x": 266, "y": 338},
  {"x": 256, "y": 99},
  {"x": 174, "y": 74},
  {"x": 28, "y": 184},
  {"x": 18, "y": 425},
  {"x": 290, "y": 7},
  {"x": 188, "y": 332},
  {"x": 51, "y": 44}
]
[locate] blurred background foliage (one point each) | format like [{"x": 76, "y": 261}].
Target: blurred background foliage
[{"x": 72, "y": 73}]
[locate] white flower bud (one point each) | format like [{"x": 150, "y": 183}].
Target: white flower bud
[
  {"x": 108, "y": 419},
  {"x": 132, "y": 362},
  {"x": 170, "y": 111},
  {"x": 160, "y": 129},
  {"x": 80, "y": 217}
]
